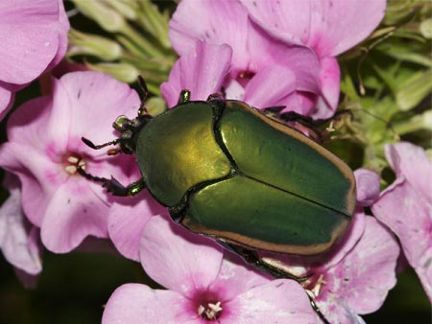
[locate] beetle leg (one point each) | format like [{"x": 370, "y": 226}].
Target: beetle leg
[
  {"x": 98, "y": 147},
  {"x": 315, "y": 307},
  {"x": 251, "y": 257},
  {"x": 215, "y": 96},
  {"x": 113, "y": 186},
  {"x": 184, "y": 96}
]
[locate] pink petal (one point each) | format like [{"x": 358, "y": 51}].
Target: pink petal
[
  {"x": 408, "y": 214},
  {"x": 368, "y": 186},
  {"x": 279, "y": 301},
  {"x": 6, "y": 98},
  {"x": 330, "y": 88},
  {"x": 363, "y": 278},
  {"x": 30, "y": 38},
  {"x": 424, "y": 272},
  {"x": 330, "y": 26},
  {"x": 266, "y": 52},
  {"x": 178, "y": 259},
  {"x": 234, "y": 90},
  {"x": 136, "y": 303},
  {"x": 90, "y": 98},
  {"x": 411, "y": 162},
  {"x": 235, "y": 277},
  {"x": 33, "y": 169},
  {"x": 126, "y": 222},
  {"x": 19, "y": 245},
  {"x": 213, "y": 22},
  {"x": 270, "y": 86},
  {"x": 73, "y": 213},
  {"x": 301, "y": 62},
  {"x": 44, "y": 132},
  {"x": 201, "y": 71},
  {"x": 63, "y": 27}
]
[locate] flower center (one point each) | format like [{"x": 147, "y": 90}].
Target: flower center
[
  {"x": 74, "y": 162},
  {"x": 210, "y": 311},
  {"x": 244, "y": 77}
]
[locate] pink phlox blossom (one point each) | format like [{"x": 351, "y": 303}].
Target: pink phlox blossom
[
  {"x": 329, "y": 27},
  {"x": 284, "y": 49},
  {"x": 19, "y": 240},
  {"x": 44, "y": 149},
  {"x": 127, "y": 219},
  {"x": 259, "y": 62},
  {"x": 204, "y": 286},
  {"x": 33, "y": 35},
  {"x": 406, "y": 207}
]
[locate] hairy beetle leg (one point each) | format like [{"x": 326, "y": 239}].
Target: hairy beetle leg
[{"x": 252, "y": 258}]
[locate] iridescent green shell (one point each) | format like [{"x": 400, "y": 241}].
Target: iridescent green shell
[{"x": 226, "y": 170}]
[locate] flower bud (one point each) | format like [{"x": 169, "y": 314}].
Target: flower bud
[{"x": 93, "y": 45}]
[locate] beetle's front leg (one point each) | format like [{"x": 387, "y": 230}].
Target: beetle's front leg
[
  {"x": 117, "y": 189},
  {"x": 114, "y": 187}
]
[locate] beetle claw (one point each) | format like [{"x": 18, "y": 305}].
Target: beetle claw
[{"x": 114, "y": 187}]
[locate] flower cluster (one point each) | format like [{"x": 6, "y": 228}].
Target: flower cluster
[
  {"x": 278, "y": 55},
  {"x": 34, "y": 39}
]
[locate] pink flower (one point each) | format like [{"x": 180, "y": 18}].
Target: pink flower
[
  {"x": 204, "y": 70},
  {"x": 406, "y": 207},
  {"x": 44, "y": 149},
  {"x": 204, "y": 287},
  {"x": 127, "y": 219},
  {"x": 287, "y": 45},
  {"x": 33, "y": 38},
  {"x": 359, "y": 283},
  {"x": 329, "y": 27},
  {"x": 259, "y": 62},
  {"x": 19, "y": 241}
]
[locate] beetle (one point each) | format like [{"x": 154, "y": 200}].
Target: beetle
[{"x": 231, "y": 172}]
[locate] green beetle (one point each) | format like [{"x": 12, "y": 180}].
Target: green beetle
[{"x": 228, "y": 171}]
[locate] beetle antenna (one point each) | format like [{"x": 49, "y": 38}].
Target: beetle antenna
[{"x": 98, "y": 147}]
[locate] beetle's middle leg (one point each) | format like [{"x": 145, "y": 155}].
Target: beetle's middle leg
[
  {"x": 252, "y": 258},
  {"x": 113, "y": 186}
]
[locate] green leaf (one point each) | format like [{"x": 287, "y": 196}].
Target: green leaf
[{"x": 414, "y": 90}]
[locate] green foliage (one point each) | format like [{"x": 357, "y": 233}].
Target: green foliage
[
  {"x": 387, "y": 83},
  {"x": 131, "y": 40}
]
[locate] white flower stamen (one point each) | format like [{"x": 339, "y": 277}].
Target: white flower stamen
[
  {"x": 211, "y": 311},
  {"x": 73, "y": 163}
]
